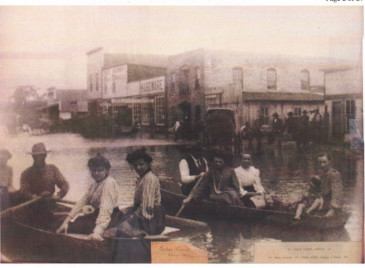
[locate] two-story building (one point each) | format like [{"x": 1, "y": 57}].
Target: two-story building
[
  {"x": 343, "y": 101},
  {"x": 130, "y": 88},
  {"x": 254, "y": 86},
  {"x": 135, "y": 94}
]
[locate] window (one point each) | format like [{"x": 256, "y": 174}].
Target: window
[
  {"x": 136, "y": 113},
  {"x": 184, "y": 79},
  {"x": 238, "y": 78},
  {"x": 264, "y": 116},
  {"x": 297, "y": 111},
  {"x": 160, "y": 110},
  {"x": 96, "y": 82},
  {"x": 304, "y": 80},
  {"x": 197, "y": 78},
  {"x": 91, "y": 82},
  {"x": 114, "y": 88},
  {"x": 211, "y": 100},
  {"x": 271, "y": 79},
  {"x": 173, "y": 82},
  {"x": 350, "y": 112}
]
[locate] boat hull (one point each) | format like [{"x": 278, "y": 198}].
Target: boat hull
[
  {"x": 21, "y": 242},
  {"x": 211, "y": 212}
]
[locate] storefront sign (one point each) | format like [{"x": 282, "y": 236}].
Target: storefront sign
[{"x": 153, "y": 85}]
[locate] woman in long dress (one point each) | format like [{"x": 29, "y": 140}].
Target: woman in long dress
[
  {"x": 249, "y": 179},
  {"x": 146, "y": 216}
]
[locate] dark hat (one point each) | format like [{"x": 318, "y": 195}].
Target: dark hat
[
  {"x": 5, "y": 153},
  {"x": 304, "y": 112},
  {"x": 138, "y": 154},
  {"x": 39, "y": 148},
  {"x": 290, "y": 113},
  {"x": 275, "y": 114},
  {"x": 99, "y": 161}
]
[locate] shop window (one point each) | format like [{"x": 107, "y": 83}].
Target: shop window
[
  {"x": 160, "y": 110},
  {"x": 238, "y": 78},
  {"x": 304, "y": 80},
  {"x": 264, "y": 116},
  {"x": 271, "y": 79},
  {"x": 136, "y": 113},
  {"x": 350, "y": 112}
]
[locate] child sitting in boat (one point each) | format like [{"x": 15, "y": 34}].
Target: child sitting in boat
[
  {"x": 312, "y": 199},
  {"x": 93, "y": 212}
]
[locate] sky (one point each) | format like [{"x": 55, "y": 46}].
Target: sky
[{"x": 45, "y": 46}]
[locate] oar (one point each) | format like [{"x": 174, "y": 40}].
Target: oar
[
  {"x": 190, "y": 196},
  {"x": 15, "y": 208},
  {"x": 170, "y": 220}
]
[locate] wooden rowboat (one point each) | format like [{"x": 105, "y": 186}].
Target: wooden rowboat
[
  {"x": 210, "y": 211},
  {"x": 21, "y": 242}
]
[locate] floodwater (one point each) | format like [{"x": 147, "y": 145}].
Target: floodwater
[{"x": 283, "y": 173}]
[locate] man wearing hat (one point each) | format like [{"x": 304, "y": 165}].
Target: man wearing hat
[
  {"x": 192, "y": 167},
  {"x": 220, "y": 183},
  {"x": 277, "y": 128},
  {"x": 41, "y": 178},
  {"x": 6, "y": 179}
]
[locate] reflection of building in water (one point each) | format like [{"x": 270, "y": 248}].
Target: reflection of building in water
[{"x": 343, "y": 102}]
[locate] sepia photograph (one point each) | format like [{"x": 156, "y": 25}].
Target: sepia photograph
[{"x": 182, "y": 133}]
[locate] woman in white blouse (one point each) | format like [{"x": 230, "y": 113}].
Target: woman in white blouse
[
  {"x": 93, "y": 212},
  {"x": 249, "y": 179}
]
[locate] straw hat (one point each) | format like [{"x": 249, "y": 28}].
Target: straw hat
[{"x": 38, "y": 149}]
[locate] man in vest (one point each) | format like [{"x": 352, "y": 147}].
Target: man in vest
[{"x": 192, "y": 168}]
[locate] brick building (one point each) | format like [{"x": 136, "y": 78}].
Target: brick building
[{"x": 253, "y": 86}]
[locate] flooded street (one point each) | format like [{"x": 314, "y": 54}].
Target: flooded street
[{"x": 283, "y": 173}]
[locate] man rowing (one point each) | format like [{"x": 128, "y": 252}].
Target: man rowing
[
  {"x": 192, "y": 167},
  {"x": 40, "y": 180},
  {"x": 220, "y": 184}
]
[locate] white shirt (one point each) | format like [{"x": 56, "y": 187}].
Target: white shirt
[
  {"x": 249, "y": 177},
  {"x": 185, "y": 172},
  {"x": 103, "y": 195}
]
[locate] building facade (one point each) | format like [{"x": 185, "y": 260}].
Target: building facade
[
  {"x": 65, "y": 103},
  {"x": 253, "y": 86},
  {"x": 344, "y": 101}
]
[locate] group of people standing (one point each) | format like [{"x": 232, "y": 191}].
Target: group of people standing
[
  {"x": 222, "y": 184},
  {"x": 99, "y": 212},
  {"x": 301, "y": 129}
]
